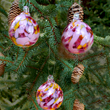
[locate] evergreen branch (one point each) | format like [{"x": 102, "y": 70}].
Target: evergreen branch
[
  {"x": 36, "y": 45},
  {"x": 38, "y": 73},
  {"x": 69, "y": 98},
  {"x": 34, "y": 7},
  {"x": 101, "y": 41},
  {"x": 102, "y": 44},
  {"x": 98, "y": 76},
  {"x": 17, "y": 54},
  {"x": 6, "y": 81},
  {"x": 33, "y": 67},
  {"x": 42, "y": 4},
  {"x": 44, "y": 62},
  {"x": 107, "y": 59},
  {"x": 99, "y": 100},
  {"x": 6, "y": 36},
  {"x": 3, "y": 11},
  {"x": 65, "y": 64},
  {"x": 33, "y": 102},
  {"x": 6, "y": 60},
  {"x": 46, "y": 4},
  {"x": 17, "y": 102},
  {"x": 8, "y": 48},
  {"x": 1, "y": 47},
  {"x": 53, "y": 30},
  {"x": 57, "y": 57},
  {"x": 22, "y": 61},
  {"x": 26, "y": 55},
  {"x": 91, "y": 56},
  {"x": 70, "y": 92}
]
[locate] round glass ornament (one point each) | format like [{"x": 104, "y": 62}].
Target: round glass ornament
[
  {"x": 24, "y": 30},
  {"x": 77, "y": 37},
  {"x": 49, "y": 95}
]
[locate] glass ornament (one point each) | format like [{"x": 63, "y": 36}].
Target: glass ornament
[
  {"x": 49, "y": 95},
  {"x": 77, "y": 37},
  {"x": 24, "y": 30}
]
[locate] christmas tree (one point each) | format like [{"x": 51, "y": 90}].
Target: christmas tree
[{"x": 25, "y": 69}]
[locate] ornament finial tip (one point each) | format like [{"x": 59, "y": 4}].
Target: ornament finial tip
[
  {"x": 26, "y": 9},
  {"x": 50, "y": 78},
  {"x": 76, "y": 16}
]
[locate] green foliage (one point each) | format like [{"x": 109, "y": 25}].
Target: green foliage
[
  {"x": 2, "y": 13},
  {"x": 27, "y": 68},
  {"x": 97, "y": 14}
]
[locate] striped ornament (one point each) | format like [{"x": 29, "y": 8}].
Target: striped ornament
[
  {"x": 77, "y": 73},
  {"x": 24, "y": 30},
  {"x": 49, "y": 95}
]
